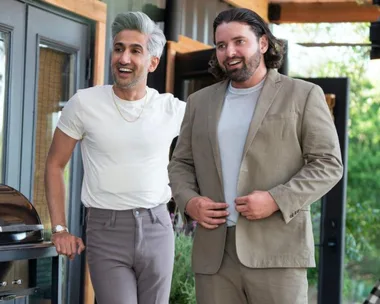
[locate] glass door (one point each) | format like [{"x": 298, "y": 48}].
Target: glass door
[
  {"x": 12, "y": 35},
  {"x": 58, "y": 49}
]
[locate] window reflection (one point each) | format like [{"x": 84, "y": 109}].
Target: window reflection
[
  {"x": 3, "y": 85},
  {"x": 56, "y": 84}
]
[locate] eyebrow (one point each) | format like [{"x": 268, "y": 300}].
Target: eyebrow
[
  {"x": 133, "y": 45},
  {"x": 234, "y": 38}
]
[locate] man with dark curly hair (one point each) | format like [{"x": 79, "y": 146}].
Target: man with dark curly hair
[{"x": 254, "y": 152}]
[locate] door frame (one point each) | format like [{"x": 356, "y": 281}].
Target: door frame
[
  {"x": 36, "y": 34},
  {"x": 333, "y": 213},
  {"x": 15, "y": 28}
]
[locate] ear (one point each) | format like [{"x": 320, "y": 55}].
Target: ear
[
  {"x": 264, "y": 44},
  {"x": 154, "y": 61}
]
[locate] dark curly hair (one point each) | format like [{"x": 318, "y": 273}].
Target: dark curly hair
[{"x": 276, "y": 48}]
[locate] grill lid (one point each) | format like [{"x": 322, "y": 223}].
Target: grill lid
[{"x": 19, "y": 220}]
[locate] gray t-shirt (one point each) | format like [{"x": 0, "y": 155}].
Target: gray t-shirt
[{"x": 238, "y": 108}]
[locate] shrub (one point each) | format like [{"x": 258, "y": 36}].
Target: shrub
[{"x": 183, "y": 282}]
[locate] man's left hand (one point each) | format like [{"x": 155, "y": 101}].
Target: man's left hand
[{"x": 257, "y": 205}]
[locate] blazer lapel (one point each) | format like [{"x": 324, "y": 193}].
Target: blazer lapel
[
  {"x": 270, "y": 89},
  {"x": 214, "y": 111}
]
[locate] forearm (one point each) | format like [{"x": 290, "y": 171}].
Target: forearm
[
  {"x": 312, "y": 182},
  {"x": 55, "y": 194},
  {"x": 321, "y": 152},
  {"x": 181, "y": 169},
  {"x": 183, "y": 182}
]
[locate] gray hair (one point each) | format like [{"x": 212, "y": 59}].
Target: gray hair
[{"x": 140, "y": 22}]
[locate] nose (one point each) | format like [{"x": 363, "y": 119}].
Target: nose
[
  {"x": 125, "y": 58},
  {"x": 230, "y": 51}
]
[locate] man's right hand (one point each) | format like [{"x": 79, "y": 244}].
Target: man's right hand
[
  {"x": 206, "y": 212},
  {"x": 67, "y": 244}
]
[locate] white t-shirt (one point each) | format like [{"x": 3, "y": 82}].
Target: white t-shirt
[
  {"x": 235, "y": 119},
  {"x": 125, "y": 163}
]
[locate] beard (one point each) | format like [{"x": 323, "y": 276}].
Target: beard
[
  {"x": 127, "y": 83},
  {"x": 246, "y": 71}
]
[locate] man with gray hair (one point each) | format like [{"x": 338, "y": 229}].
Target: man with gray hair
[{"x": 125, "y": 130}]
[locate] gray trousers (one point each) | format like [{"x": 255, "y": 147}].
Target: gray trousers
[
  {"x": 130, "y": 255},
  {"x": 236, "y": 284}
]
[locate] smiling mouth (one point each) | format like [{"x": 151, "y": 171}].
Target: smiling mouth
[
  {"x": 125, "y": 70},
  {"x": 233, "y": 63}
]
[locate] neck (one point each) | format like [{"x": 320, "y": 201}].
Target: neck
[
  {"x": 130, "y": 94},
  {"x": 256, "y": 78}
]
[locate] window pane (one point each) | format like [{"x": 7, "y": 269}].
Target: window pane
[
  {"x": 55, "y": 86},
  {"x": 3, "y": 86}
]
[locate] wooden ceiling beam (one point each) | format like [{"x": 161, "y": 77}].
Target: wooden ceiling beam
[
  {"x": 317, "y": 12},
  {"x": 369, "y": 2},
  {"x": 259, "y": 6},
  {"x": 92, "y": 9}
]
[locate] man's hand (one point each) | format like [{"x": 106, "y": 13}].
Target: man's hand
[
  {"x": 67, "y": 244},
  {"x": 257, "y": 205},
  {"x": 206, "y": 212}
]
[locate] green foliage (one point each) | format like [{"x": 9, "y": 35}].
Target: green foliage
[
  {"x": 362, "y": 265},
  {"x": 183, "y": 282}
]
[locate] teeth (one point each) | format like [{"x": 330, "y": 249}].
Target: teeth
[
  {"x": 234, "y": 62},
  {"x": 125, "y": 70}
]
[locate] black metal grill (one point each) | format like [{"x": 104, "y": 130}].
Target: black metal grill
[{"x": 20, "y": 225}]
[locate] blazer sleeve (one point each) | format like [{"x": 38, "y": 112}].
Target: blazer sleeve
[
  {"x": 323, "y": 164},
  {"x": 181, "y": 168}
]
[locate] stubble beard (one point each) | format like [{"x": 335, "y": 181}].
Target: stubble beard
[
  {"x": 248, "y": 69},
  {"x": 127, "y": 84}
]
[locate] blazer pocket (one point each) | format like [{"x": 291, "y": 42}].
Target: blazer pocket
[
  {"x": 281, "y": 116},
  {"x": 277, "y": 127}
]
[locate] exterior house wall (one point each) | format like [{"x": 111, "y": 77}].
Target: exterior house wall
[{"x": 197, "y": 18}]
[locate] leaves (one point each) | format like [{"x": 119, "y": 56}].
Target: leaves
[{"x": 363, "y": 192}]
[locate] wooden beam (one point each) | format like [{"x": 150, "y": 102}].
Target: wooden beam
[
  {"x": 330, "y": 12},
  {"x": 100, "y": 53},
  {"x": 184, "y": 45},
  {"x": 322, "y": 1},
  {"x": 89, "y": 294},
  {"x": 259, "y": 6},
  {"x": 97, "y": 11},
  {"x": 92, "y": 9}
]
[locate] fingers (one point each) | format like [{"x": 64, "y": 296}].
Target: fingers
[
  {"x": 216, "y": 213},
  {"x": 81, "y": 246},
  {"x": 73, "y": 247},
  {"x": 241, "y": 208},
  {"x": 208, "y": 226},
  {"x": 210, "y": 205},
  {"x": 242, "y": 200},
  {"x": 67, "y": 244}
]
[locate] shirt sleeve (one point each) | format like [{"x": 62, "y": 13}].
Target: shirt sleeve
[{"x": 70, "y": 121}]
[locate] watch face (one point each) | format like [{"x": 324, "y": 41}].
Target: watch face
[{"x": 59, "y": 228}]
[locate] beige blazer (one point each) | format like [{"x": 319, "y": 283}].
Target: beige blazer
[{"x": 292, "y": 151}]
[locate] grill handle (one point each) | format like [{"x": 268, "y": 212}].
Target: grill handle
[{"x": 21, "y": 228}]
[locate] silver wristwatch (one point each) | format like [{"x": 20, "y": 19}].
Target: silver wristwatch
[{"x": 59, "y": 228}]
